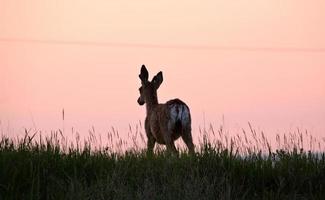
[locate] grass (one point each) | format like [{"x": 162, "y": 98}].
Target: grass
[{"x": 238, "y": 167}]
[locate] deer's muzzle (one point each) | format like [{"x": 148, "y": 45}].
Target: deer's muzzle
[{"x": 140, "y": 101}]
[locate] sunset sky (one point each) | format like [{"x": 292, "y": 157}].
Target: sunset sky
[{"x": 261, "y": 61}]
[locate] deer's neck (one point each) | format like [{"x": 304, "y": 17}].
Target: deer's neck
[{"x": 151, "y": 103}]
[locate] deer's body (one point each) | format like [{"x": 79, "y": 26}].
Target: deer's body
[
  {"x": 173, "y": 118},
  {"x": 166, "y": 122}
]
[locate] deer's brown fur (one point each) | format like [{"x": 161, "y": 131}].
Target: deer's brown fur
[{"x": 166, "y": 122}]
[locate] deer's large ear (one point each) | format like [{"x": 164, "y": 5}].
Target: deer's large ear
[
  {"x": 157, "y": 80},
  {"x": 144, "y": 75}
]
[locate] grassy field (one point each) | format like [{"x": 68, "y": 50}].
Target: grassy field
[{"x": 33, "y": 168}]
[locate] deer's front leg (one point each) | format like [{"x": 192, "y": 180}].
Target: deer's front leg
[
  {"x": 151, "y": 140},
  {"x": 151, "y": 144}
]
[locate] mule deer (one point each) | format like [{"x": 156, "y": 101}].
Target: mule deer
[{"x": 166, "y": 122}]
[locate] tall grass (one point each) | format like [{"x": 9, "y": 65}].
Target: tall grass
[{"x": 240, "y": 166}]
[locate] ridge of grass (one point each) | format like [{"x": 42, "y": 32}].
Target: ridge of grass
[{"x": 32, "y": 169}]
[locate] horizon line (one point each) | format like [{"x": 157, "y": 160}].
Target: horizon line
[{"x": 167, "y": 46}]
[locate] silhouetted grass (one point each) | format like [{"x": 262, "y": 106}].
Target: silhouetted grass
[{"x": 224, "y": 168}]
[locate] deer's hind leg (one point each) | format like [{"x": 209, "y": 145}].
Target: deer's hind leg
[
  {"x": 170, "y": 145},
  {"x": 187, "y": 138},
  {"x": 167, "y": 134}
]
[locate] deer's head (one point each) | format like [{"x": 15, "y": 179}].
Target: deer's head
[{"x": 148, "y": 89}]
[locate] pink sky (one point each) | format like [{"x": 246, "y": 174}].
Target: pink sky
[{"x": 259, "y": 61}]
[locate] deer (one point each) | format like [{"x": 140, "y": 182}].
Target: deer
[{"x": 164, "y": 122}]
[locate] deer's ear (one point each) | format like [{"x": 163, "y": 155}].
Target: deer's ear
[
  {"x": 157, "y": 80},
  {"x": 144, "y": 75}
]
